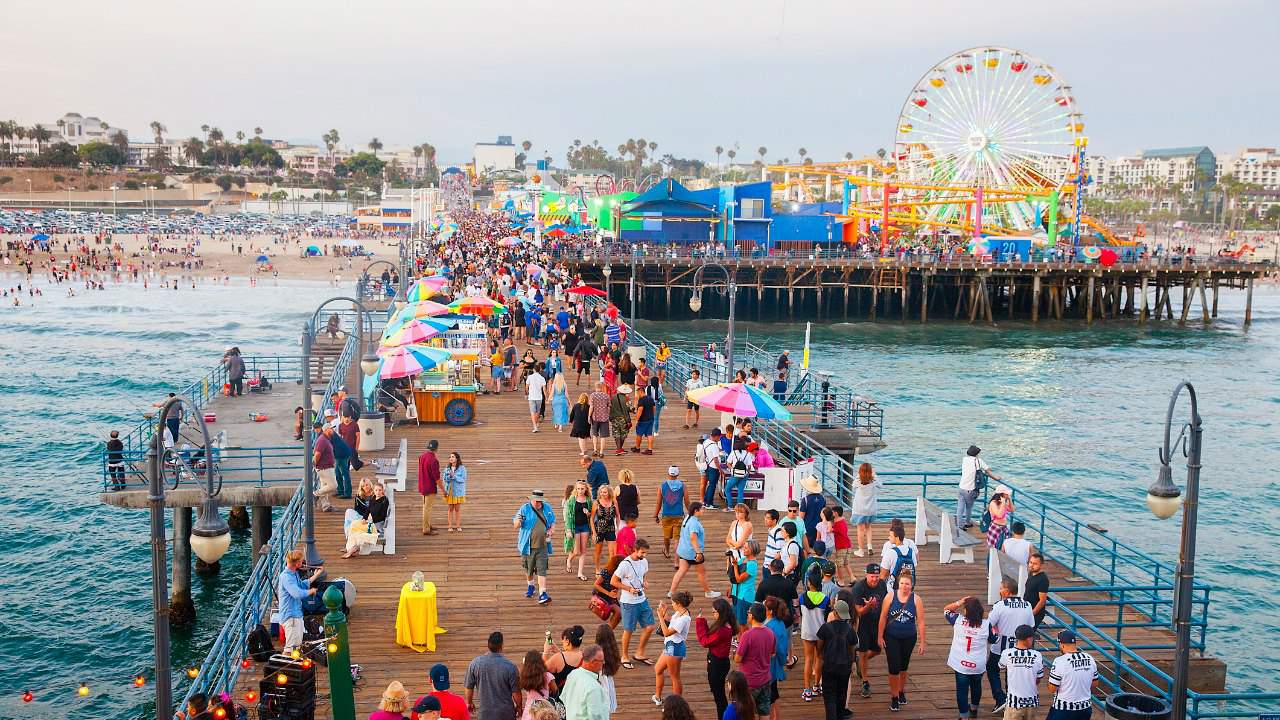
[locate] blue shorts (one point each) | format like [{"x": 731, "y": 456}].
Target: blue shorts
[
  {"x": 636, "y": 616},
  {"x": 675, "y": 649},
  {"x": 740, "y": 609},
  {"x": 644, "y": 428},
  {"x": 863, "y": 519},
  {"x": 496, "y": 372}
]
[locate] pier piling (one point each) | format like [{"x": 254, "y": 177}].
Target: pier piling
[
  {"x": 1248, "y": 302},
  {"x": 182, "y": 611},
  {"x": 261, "y": 527},
  {"x": 238, "y": 518}
]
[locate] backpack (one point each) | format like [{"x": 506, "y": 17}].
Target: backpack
[
  {"x": 903, "y": 560},
  {"x": 259, "y": 643},
  {"x": 794, "y": 575},
  {"x": 985, "y": 523},
  {"x": 740, "y": 468},
  {"x": 979, "y": 477}
]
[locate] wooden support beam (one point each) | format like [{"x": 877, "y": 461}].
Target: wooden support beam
[
  {"x": 1012, "y": 289},
  {"x": 1142, "y": 315},
  {"x": 1215, "y": 296},
  {"x": 1035, "y": 299},
  {"x": 1186, "y": 303},
  {"x": 875, "y": 297},
  {"x": 1204, "y": 302},
  {"x": 986, "y": 301},
  {"x": 973, "y": 300},
  {"x": 1088, "y": 317},
  {"x": 1248, "y": 302},
  {"x": 924, "y": 297}
]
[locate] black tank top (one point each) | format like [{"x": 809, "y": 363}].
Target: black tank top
[
  {"x": 628, "y": 500},
  {"x": 563, "y": 675}
]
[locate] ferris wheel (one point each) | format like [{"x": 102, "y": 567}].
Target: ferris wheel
[{"x": 991, "y": 118}]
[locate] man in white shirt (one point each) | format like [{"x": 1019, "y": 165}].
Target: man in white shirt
[
  {"x": 630, "y": 581},
  {"x": 1006, "y": 616},
  {"x": 969, "y": 490},
  {"x": 692, "y": 411},
  {"x": 773, "y": 538},
  {"x": 707, "y": 457},
  {"x": 1072, "y": 679},
  {"x": 1016, "y": 546},
  {"x": 536, "y": 384},
  {"x": 1023, "y": 668}
]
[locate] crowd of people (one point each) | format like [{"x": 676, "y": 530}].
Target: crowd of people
[{"x": 793, "y": 592}]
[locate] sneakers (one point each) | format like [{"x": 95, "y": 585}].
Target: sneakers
[
  {"x": 711, "y": 595},
  {"x": 997, "y": 709},
  {"x": 709, "y": 506},
  {"x": 544, "y": 598},
  {"x": 818, "y": 688},
  {"x": 893, "y": 704},
  {"x": 902, "y": 698},
  {"x": 808, "y": 695},
  {"x": 619, "y": 451},
  {"x": 866, "y": 689},
  {"x": 859, "y": 552},
  {"x": 529, "y": 593},
  {"x": 656, "y": 700}
]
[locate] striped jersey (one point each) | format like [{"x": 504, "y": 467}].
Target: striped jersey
[
  {"x": 1005, "y": 617},
  {"x": 1073, "y": 674},
  {"x": 1023, "y": 668}
]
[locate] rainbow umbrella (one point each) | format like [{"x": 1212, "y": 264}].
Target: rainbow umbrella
[
  {"x": 427, "y": 288},
  {"x": 509, "y": 242},
  {"x": 477, "y": 305},
  {"x": 409, "y": 360},
  {"x": 421, "y": 309},
  {"x": 740, "y": 399},
  {"x": 414, "y": 331}
]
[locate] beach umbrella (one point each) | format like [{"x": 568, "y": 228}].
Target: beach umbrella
[
  {"x": 263, "y": 258},
  {"x": 409, "y": 360},
  {"x": 421, "y": 309},
  {"x": 427, "y": 288},
  {"x": 557, "y": 233},
  {"x": 509, "y": 242},
  {"x": 586, "y": 290},
  {"x": 1107, "y": 257},
  {"x": 313, "y": 250},
  {"x": 477, "y": 305},
  {"x": 533, "y": 270},
  {"x": 415, "y": 331},
  {"x": 740, "y": 399},
  {"x": 40, "y": 237}
]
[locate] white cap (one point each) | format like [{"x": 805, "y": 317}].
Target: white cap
[{"x": 673, "y": 471}]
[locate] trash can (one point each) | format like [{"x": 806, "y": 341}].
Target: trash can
[{"x": 1135, "y": 706}]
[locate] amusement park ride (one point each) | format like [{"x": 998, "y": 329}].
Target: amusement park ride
[{"x": 988, "y": 143}]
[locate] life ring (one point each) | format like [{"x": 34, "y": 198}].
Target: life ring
[{"x": 1092, "y": 252}]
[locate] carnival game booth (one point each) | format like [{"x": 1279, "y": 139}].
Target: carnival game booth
[{"x": 447, "y": 392}]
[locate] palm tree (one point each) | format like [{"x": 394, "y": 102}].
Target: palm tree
[
  {"x": 848, "y": 156},
  {"x": 732, "y": 154},
  {"x": 762, "y": 150},
  {"x": 121, "y": 142},
  {"x": 158, "y": 130},
  {"x": 526, "y": 145},
  {"x": 215, "y": 141},
  {"x": 192, "y": 148},
  {"x": 880, "y": 153},
  {"x": 803, "y": 152},
  {"x": 257, "y": 131},
  {"x": 417, "y": 156},
  {"x": 205, "y": 129},
  {"x": 40, "y": 135},
  {"x": 375, "y": 145},
  {"x": 8, "y": 129},
  {"x": 240, "y": 136},
  {"x": 62, "y": 127},
  {"x": 429, "y": 153},
  {"x": 331, "y": 143}
]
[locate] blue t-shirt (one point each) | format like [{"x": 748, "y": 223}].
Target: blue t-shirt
[
  {"x": 562, "y": 319},
  {"x": 691, "y": 527},
  {"x": 782, "y": 638},
  {"x": 746, "y": 590}
]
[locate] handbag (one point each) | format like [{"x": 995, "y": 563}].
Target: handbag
[{"x": 601, "y": 607}]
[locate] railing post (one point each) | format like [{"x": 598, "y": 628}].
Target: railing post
[
  {"x": 1075, "y": 541},
  {"x": 342, "y": 701}
]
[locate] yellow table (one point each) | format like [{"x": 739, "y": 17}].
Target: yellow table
[{"x": 416, "y": 619}]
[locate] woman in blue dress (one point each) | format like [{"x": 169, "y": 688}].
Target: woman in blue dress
[{"x": 559, "y": 402}]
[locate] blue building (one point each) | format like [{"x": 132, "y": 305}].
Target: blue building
[{"x": 670, "y": 213}]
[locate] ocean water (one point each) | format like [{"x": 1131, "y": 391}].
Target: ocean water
[
  {"x": 76, "y": 574},
  {"x": 1077, "y": 414},
  {"x": 1074, "y": 413}
]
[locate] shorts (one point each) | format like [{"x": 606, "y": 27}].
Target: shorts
[
  {"x": 609, "y": 535},
  {"x": 843, "y": 558},
  {"x": 600, "y": 429},
  {"x": 294, "y": 629},
  {"x": 636, "y": 616},
  {"x": 496, "y": 373},
  {"x": 897, "y": 652},
  {"x": 763, "y": 697},
  {"x": 675, "y": 649},
  {"x": 535, "y": 563},
  {"x": 692, "y": 561},
  {"x": 671, "y": 527},
  {"x": 868, "y": 637},
  {"x": 862, "y": 519},
  {"x": 692, "y": 405},
  {"x": 644, "y": 428},
  {"x": 740, "y": 609}
]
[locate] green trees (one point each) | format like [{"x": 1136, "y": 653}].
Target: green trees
[
  {"x": 101, "y": 154},
  {"x": 362, "y": 164}
]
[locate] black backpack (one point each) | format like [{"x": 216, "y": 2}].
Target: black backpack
[
  {"x": 259, "y": 643},
  {"x": 740, "y": 468}
]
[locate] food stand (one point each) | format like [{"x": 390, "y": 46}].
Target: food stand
[{"x": 447, "y": 393}]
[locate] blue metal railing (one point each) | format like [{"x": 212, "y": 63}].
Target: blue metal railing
[
  {"x": 236, "y": 466},
  {"x": 221, "y": 667}
]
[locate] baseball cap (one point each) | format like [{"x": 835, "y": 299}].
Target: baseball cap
[
  {"x": 715, "y": 432},
  {"x": 873, "y": 568},
  {"x": 1067, "y": 636},
  {"x": 842, "y": 610},
  {"x": 433, "y": 444},
  {"x": 427, "y": 703},
  {"x": 440, "y": 676},
  {"x": 1024, "y": 631},
  {"x": 673, "y": 471}
]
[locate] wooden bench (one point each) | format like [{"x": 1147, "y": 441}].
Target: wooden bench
[
  {"x": 934, "y": 522},
  {"x": 999, "y": 567}
]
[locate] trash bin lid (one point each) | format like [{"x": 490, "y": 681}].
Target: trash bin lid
[{"x": 1135, "y": 706}]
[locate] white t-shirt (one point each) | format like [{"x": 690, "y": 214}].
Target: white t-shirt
[
  {"x": 889, "y": 556},
  {"x": 1074, "y": 674},
  {"x": 1005, "y": 617},
  {"x": 630, "y": 574},
  {"x": 791, "y": 554},
  {"x": 968, "y": 654},
  {"x": 1022, "y": 669},
  {"x": 693, "y": 384},
  {"x": 773, "y": 545},
  {"x": 679, "y": 623},
  {"x": 707, "y": 450},
  {"x": 536, "y": 384},
  {"x": 1017, "y": 548},
  {"x": 968, "y": 469},
  {"x": 866, "y": 498}
]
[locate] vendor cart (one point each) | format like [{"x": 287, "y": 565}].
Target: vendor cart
[{"x": 447, "y": 393}]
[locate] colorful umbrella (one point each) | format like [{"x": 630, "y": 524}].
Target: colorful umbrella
[
  {"x": 556, "y": 233},
  {"x": 533, "y": 270},
  {"x": 477, "y": 305},
  {"x": 740, "y": 399},
  {"x": 421, "y": 309},
  {"x": 40, "y": 237},
  {"x": 586, "y": 290},
  {"x": 263, "y": 258},
  {"x": 509, "y": 242},
  {"x": 427, "y": 288},
  {"x": 414, "y": 331},
  {"x": 410, "y": 360}
]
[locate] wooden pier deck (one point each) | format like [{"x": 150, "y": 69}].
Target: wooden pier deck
[{"x": 481, "y": 586}]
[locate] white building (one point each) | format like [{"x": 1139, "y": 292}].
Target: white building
[
  {"x": 312, "y": 160},
  {"x": 1256, "y": 166},
  {"x": 1185, "y": 169},
  {"x": 489, "y": 157}
]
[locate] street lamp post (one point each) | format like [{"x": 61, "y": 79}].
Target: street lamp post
[
  {"x": 114, "y": 189},
  {"x": 731, "y": 289},
  {"x": 69, "y": 189},
  {"x": 632, "y": 290},
  {"x": 1163, "y": 500},
  {"x": 210, "y": 538}
]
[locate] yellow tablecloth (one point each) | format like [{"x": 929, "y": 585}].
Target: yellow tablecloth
[{"x": 416, "y": 619}]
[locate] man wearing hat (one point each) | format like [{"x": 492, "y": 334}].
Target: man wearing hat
[
  {"x": 868, "y": 594},
  {"x": 448, "y": 705},
  {"x": 837, "y": 643},
  {"x": 1072, "y": 680},
  {"x": 1023, "y": 669},
  {"x": 971, "y": 484},
  {"x": 428, "y": 483},
  {"x": 534, "y": 521},
  {"x": 323, "y": 461},
  {"x": 670, "y": 508},
  {"x": 427, "y": 708}
]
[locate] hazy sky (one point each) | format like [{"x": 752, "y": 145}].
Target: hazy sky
[{"x": 829, "y": 76}]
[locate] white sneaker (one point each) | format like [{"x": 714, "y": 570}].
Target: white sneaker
[
  {"x": 712, "y": 594},
  {"x": 859, "y": 553}
]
